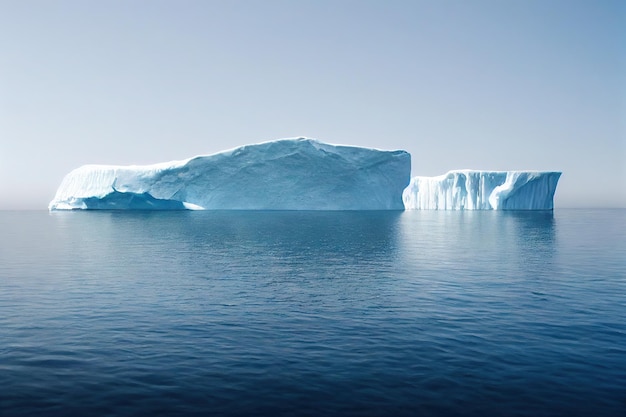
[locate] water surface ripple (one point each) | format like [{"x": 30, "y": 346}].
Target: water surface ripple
[{"x": 313, "y": 313}]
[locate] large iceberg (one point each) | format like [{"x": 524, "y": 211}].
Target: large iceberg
[
  {"x": 288, "y": 174},
  {"x": 482, "y": 190}
]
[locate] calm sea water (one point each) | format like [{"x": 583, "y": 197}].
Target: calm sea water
[{"x": 313, "y": 313}]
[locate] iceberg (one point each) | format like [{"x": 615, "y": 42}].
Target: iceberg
[
  {"x": 287, "y": 174},
  {"x": 483, "y": 190}
]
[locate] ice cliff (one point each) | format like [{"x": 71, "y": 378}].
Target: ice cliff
[
  {"x": 289, "y": 174},
  {"x": 300, "y": 174},
  {"x": 482, "y": 190}
]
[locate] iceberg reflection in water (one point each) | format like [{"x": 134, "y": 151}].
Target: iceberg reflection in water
[{"x": 312, "y": 313}]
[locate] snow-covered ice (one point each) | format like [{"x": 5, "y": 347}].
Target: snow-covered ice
[
  {"x": 288, "y": 174},
  {"x": 483, "y": 190}
]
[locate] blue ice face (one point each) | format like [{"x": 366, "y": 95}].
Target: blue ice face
[{"x": 291, "y": 174}]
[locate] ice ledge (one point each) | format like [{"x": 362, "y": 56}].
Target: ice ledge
[{"x": 483, "y": 190}]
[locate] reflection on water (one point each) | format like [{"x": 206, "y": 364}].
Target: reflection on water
[
  {"x": 489, "y": 239},
  {"x": 344, "y": 240},
  {"x": 312, "y": 313},
  {"x": 210, "y": 240}
]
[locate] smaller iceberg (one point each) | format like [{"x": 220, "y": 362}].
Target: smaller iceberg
[{"x": 483, "y": 190}]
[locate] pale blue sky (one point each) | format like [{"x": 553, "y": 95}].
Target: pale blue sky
[{"x": 459, "y": 84}]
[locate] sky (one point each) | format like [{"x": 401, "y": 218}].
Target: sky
[{"x": 493, "y": 85}]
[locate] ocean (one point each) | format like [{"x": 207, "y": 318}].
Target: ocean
[{"x": 287, "y": 313}]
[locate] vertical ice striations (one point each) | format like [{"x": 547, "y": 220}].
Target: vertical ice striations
[
  {"x": 300, "y": 174},
  {"x": 483, "y": 190}
]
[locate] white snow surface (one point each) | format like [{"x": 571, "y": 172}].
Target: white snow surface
[
  {"x": 483, "y": 190},
  {"x": 288, "y": 174}
]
